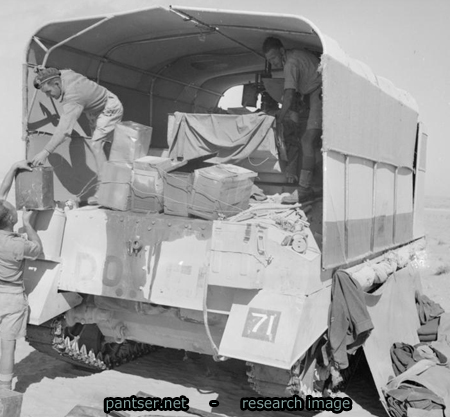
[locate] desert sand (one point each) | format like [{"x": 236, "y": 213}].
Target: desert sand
[{"x": 52, "y": 388}]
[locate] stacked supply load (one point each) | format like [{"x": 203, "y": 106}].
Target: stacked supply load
[
  {"x": 131, "y": 141},
  {"x": 198, "y": 188},
  {"x": 185, "y": 188},
  {"x": 178, "y": 182}
]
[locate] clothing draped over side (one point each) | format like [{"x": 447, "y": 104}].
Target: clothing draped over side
[{"x": 349, "y": 320}]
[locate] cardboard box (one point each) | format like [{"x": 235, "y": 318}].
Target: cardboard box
[
  {"x": 177, "y": 192},
  {"x": 220, "y": 190},
  {"x": 147, "y": 185},
  {"x": 115, "y": 187},
  {"x": 178, "y": 181},
  {"x": 10, "y": 403},
  {"x": 131, "y": 141},
  {"x": 34, "y": 189}
]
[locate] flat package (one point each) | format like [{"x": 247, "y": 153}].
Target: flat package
[
  {"x": 34, "y": 189},
  {"x": 131, "y": 141},
  {"x": 115, "y": 187},
  {"x": 220, "y": 190},
  {"x": 147, "y": 185}
]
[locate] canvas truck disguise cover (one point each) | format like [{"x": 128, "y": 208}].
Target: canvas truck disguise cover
[
  {"x": 369, "y": 126},
  {"x": 243, "y": 288},
  {"x": 369, "y": 138}
]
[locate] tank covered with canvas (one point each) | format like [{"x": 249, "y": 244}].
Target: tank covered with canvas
[{"x": 181, "y": 252}]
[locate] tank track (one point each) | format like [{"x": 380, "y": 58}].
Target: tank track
[
  {"x": 267, "y": 380},
  {"x": 82, "y": 345},
  {"x": 275, "y": 382}
]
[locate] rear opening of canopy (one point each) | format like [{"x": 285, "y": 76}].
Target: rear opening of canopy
[{"x": 163, "y": 60}]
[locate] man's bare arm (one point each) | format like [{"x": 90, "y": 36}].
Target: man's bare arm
[
  {"x": 62, "y": 132},
  {"x": 6, "y": 185}
]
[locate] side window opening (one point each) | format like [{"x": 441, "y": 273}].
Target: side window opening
[{"x": 246, "y": 98}]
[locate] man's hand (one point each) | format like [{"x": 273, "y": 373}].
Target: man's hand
[
  {"x": 23, "y": 165},
  {"x": 278, "y": 126},
  {"x": 279, "y": 116},
  {"x": 28, "y": 217},
  {"x": 40, "y": 158}
]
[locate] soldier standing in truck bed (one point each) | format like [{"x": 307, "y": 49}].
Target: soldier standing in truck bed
[
  {"x": 77, "y": 95},
  {"x": 301, "y": 76}
]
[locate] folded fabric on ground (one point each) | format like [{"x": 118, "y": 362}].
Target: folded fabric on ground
[
  {"x": 407, "y": 396},
  {"x": 404, "y": 356},
  {"x": 425, "y": 374},
  {"x": 444, "y": 327},
  {"x": 428, "y": 332},
  {"x": 427, "y": 309}
]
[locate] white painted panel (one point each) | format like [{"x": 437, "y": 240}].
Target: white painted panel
[
  {"x": 384, "y": 206},
  {"x": 360, "y": 207},
  {"x": 404, "y": 212},
  {"x": 334, "y": 209},
  {"x": 361, "y": 119}
]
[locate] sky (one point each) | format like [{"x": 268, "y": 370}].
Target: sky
[{"x": 405, "y": 41}]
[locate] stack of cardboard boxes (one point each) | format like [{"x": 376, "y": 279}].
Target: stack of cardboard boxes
[
  {"x": 131, "y": 180},
  {"x": 131, "y": 141}
]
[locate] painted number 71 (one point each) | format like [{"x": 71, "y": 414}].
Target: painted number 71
[{"x": 261, "y": 324}]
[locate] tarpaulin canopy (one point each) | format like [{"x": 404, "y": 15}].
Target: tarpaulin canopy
[
  {"x": 234, "y": 137},
  {"x": 160, "y": 61}
]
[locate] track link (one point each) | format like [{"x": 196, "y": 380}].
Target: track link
[{"x": 82, "y": 345}]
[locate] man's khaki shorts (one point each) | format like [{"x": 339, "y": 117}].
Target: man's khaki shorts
[
  {"x": 103, "y": 125},
  {"x": 13, "y": 315}
]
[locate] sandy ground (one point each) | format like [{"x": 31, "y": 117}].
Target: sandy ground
[{"x": 51, "y": 388}]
